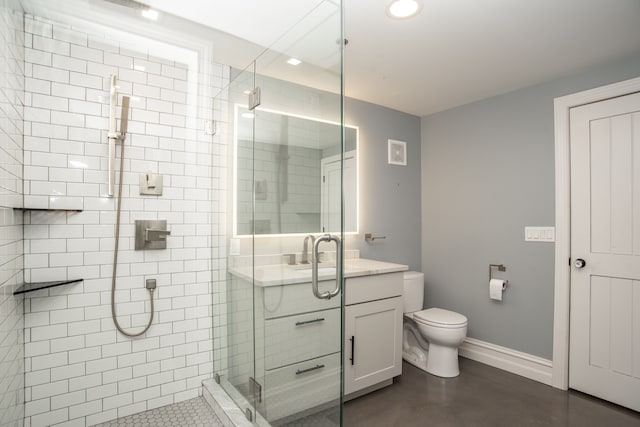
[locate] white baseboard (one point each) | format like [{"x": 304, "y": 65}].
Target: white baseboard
[{"x": 523, "y": 364}]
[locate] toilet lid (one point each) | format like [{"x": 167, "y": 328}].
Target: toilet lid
[{"x": 438, "y": 316}]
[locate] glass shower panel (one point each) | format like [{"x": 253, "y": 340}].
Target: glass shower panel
[
  {"x": 278, "y": 346},
  {"x": 234, "y": 322},
  {"x": 297, "y": 126}
]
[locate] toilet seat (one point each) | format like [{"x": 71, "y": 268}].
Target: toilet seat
[{"x": 440, "y": 318}]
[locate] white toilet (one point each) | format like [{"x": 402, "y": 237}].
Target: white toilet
[{"x": 431, "y": 337}]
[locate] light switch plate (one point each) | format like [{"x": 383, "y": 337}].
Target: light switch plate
[{"x": 540, "y": 234}]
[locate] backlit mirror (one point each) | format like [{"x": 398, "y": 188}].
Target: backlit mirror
[{"x": 293, "y": 171}]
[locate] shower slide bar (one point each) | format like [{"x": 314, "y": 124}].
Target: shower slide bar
[{"x": 113, "y": 135}]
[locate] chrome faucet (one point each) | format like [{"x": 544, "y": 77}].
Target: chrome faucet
[{"x": 305, "y": 249}]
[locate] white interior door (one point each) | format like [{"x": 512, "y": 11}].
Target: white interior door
[
  {"x": 605, "y": 232},
  {"x": 331, "y": 193}
]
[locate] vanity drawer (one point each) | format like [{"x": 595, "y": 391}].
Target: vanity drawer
[
  {"x": 369, "y": 288},
  {"x": 298, "y": 387},
  {"x": 285, "y": 300},
  {"x": 292, "y": 339}
]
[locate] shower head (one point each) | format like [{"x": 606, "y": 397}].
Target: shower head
[{"x": 124, "y": 118}]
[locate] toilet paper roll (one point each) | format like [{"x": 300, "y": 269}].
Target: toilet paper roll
[{"x": 496, "y": 286}]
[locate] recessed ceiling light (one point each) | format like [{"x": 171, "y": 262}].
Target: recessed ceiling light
[
  {"x": 403, "y": 9},
  {"x": 150, "y": 14},
  {"x": 294, "y": 61}
]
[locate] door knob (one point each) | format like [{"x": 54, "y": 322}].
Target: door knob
[{"x": 579, "y": 263}]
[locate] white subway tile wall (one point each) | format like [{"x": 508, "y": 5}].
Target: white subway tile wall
[
  {"x": 80, "y": 370},
  {"x": 11, "y": 234},
  {"x": 294, "y": 209}
]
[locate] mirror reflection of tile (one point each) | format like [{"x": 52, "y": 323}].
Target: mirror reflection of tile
[{"x": 260, "y": 189}]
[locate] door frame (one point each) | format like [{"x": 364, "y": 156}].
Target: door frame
[{"x": 562, "y": 280}]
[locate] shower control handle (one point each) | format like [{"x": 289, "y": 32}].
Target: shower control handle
[
  {"x": 156, "y": 235},
  {"x": 151, "y": 234}
]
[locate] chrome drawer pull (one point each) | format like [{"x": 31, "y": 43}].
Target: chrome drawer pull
[
  {"x": 306, "y": 322},
  {"x": 304, "y": 371}
]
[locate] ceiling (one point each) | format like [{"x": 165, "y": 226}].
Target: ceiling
[
  {"x": 460, "y": 51},
  {"x": 453, "y": 53}
]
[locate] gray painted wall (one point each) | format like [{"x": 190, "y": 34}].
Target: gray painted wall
[
  {"x": 389, "y": 194},
  {"x": 487, "y": 172}
]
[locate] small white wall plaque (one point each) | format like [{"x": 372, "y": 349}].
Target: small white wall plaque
[{"x": 397, "y": 153}]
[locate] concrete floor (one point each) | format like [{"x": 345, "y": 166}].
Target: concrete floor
[{"x": 480, "y": 396}]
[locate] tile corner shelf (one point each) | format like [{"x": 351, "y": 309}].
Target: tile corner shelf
[
  {"x": 48, "y": 209},
  {"x": 36, "y": 286}
]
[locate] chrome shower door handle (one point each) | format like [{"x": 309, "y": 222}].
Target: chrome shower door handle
[{"x": 314, "y": 267}]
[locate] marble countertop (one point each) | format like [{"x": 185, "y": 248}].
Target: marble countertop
[{"x": 283, "y": 274}]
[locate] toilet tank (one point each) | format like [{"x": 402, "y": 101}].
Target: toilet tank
[{"x": 413, "y": 282}]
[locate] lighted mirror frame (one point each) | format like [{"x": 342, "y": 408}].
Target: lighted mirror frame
[{"x": 236, "y": 117}]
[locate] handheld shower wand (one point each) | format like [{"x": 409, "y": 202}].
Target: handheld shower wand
[{"x": 113, "y": 134}]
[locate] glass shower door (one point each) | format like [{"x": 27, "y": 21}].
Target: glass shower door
[
  {"x": 278, "y": 347},
  {"x": 298, "y": 256}
]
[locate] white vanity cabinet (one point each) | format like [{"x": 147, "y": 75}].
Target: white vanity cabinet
[
  {"x": 284, "y": 343},
  {"x": 298, "y": 364},
  {"x": 373, "y": 332}
]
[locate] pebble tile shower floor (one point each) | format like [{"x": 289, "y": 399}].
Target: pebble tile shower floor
[{"x": 190, "y": 413}]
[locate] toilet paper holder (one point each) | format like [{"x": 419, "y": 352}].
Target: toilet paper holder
[{"x": 499, "y": 267}]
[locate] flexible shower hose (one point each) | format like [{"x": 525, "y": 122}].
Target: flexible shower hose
[{"x": 115, "y": 261}]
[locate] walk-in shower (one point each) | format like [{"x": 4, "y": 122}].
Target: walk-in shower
[
  {"x": 114, "y": 136},
  {"x": 238, "y": 192}
]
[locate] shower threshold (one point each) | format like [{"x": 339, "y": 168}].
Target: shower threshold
[
  {"x": 231, "y": 415},
  {"x": 226, "y": 408}
]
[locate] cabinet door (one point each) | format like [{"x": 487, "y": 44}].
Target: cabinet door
[{"x": 373, "y": 343}]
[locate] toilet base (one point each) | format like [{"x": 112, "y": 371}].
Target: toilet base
[
  {"x": 411, "y": 357},
  {"x": 420, "y": 359},
  {"x": 443, "y": 361},
  {"x": 432, "y": 358}
]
